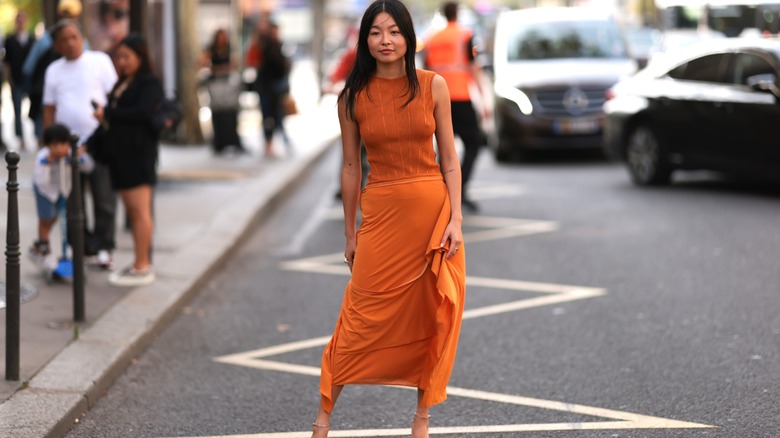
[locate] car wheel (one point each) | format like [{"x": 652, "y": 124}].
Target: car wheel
[
  {"x": 646, "y": 157},
  {"x": 504, "y": 151},
  {"x": 503, "y": 155}
]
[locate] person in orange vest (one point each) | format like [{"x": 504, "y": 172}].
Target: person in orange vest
[{"x": 451, "y": 53}]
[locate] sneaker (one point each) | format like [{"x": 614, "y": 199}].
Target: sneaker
[
  {"x": 130, "y": 276},
  {"x": 50, "y": 263},
  {"x": 39, "y": 253},
  {"x": 104, "y": 260}
]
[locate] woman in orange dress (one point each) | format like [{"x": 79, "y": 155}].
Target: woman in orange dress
[{"x": 400, "y": 317}]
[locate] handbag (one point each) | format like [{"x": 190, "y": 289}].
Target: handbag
[
  {"x": 289, "y": 105},
  {"x": 167, "y": 116},
  {"x": 97, "y": 144},
  {"x": 224, "y": 92}
]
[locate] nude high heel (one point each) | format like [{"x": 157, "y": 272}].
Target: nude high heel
[
  {"x": 424, "y": 418},
  {"x": 318, "y": 427}
]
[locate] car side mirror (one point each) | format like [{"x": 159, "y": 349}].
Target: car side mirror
[{"x": 764, "y": 82}]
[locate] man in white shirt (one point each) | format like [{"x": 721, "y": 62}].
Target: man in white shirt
[
  {"x": 40, "y": 56},
  {"x": 71, "y": 84}
]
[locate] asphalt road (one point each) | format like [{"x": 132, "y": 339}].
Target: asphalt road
[{"x": 594, "y": 309}]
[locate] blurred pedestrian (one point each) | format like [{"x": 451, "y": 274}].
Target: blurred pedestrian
[
  {"x": 451, "y": 53},
  {"x": 17, "y": 48},
  {"x": 400, "y": 316},
  {"x": 42, "y": 53},
  {"x": 273, "y": 84},
  {"x": 253, "y": 58},
  {"x": 224, "y": 88},
  {"x": 52, "y": 186},
  {"x": 130, "y": 141},
  {"x": 218, "y": 56},
  {"x": 254, "y": 55},
  {"x": 73, "y": 85},
  {"x": 345, "y": 63}
]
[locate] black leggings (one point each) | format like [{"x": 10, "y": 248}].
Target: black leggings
[
  {"x": 466, "y": 126},
  {"x": 273, "y": 113},
  {"x": 104, "y": 204}
]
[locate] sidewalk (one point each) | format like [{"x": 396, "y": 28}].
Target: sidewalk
[{"x": 204, "y": 205}]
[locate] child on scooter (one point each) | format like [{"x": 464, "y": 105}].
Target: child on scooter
[{"x": 52, "y": 185}]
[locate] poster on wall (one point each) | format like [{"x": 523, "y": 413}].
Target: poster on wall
[{"x": 108, "y": 22}]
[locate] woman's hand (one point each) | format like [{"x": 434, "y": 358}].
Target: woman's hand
[
  {"x": 454, "y": 235},
  {"x": 349, "y": 252},
  {"x": 99, "y": 114}
]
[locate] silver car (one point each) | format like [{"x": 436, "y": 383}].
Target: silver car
[{"x": 552, "y": 67}]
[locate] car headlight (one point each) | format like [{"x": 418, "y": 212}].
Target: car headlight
[{"x": 516, "y": 96}]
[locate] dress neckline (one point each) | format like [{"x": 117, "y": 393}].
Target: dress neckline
[{"x": 390, "y": 79}]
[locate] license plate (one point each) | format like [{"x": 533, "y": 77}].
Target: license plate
[{"x": 576, "y": 126}]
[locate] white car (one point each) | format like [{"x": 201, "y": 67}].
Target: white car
[{"x": 552, "y": 67}]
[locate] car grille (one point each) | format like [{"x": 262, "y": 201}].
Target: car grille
[{"x": 569, "y": 101}]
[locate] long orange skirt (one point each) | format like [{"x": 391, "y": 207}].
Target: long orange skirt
[{"x": 400, "y": 318}]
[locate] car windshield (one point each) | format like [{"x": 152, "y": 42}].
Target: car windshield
[{"x": 566, "y": 39}]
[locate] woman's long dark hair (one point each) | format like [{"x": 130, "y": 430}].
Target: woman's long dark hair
[
  {"x": 365, "y": 64},
  {"x": 137, "y": 44},
  {"x": 215, "y": 41}
]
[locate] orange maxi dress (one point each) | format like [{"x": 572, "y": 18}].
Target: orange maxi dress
[{"x": 400, "y": 317}]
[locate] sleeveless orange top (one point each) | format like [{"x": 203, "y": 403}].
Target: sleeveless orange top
[{"x": 398, "y": 137}]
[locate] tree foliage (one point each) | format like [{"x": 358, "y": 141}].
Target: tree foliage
[{"x": 9, "y": 8}]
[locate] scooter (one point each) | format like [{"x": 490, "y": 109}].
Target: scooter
[{"x": 62, "y": 271}]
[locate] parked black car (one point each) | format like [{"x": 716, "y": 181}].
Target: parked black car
[
  {"x": 552, "y": 67},
  {"x": 714, "y": 106}
]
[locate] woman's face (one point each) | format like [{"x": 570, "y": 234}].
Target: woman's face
[
  {"x": 221, "y": 39},
  {"x": 385, "y": 41},
  {"x": 127, "y": 62}
]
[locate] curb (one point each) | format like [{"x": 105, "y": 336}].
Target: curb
[{"x": 75, "y": 379}]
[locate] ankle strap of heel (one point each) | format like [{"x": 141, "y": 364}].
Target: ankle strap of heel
[{"x": 425, "y": 417}]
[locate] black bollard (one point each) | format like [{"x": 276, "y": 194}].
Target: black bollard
[
  {"x": 12, "y": 273},
  {"x": 76, "y": 232}
]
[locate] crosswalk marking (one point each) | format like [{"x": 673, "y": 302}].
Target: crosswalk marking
[{"x": 545, "y": 294}]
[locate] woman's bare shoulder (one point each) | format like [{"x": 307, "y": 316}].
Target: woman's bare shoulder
[{"x": 439, "y": 87}]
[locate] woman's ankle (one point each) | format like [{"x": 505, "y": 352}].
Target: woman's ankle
[
  {"x": 320, "y": 427},
  {"x": 420, "y": 423},
  {"x": 138, "y": 267}
]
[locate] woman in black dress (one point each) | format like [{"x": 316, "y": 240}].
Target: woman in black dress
[
  {"x": 273, "y": 84},
  {"x": 130, "y": 147}
]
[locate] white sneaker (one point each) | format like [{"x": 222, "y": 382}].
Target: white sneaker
[
  {"x": 130, "y": 276},
  {"x": 40, "y": 254},
  {"x": 104, "y": 259},
  {"x": 50, "y": 263}
]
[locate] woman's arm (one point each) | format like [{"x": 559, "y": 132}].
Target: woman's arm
[
  {"x": 449, "y": 161},
  {"x": 204, "y": 60},
  {"x": 350, "y": 179}
]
